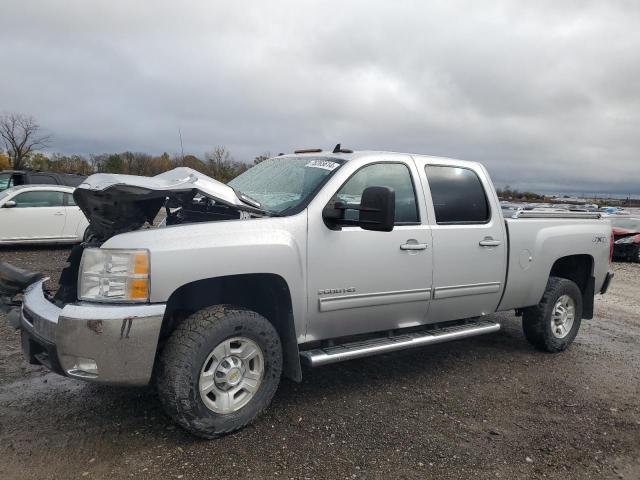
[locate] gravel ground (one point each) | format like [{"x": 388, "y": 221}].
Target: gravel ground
[{"x": 487, "y": 407}]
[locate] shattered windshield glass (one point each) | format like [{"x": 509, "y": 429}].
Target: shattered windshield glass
[{"x": 283, "y": 183}]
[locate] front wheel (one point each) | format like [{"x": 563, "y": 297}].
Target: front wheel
[
  {"x": 553, "y": 324},
  {"x": 219, "y": 370}
]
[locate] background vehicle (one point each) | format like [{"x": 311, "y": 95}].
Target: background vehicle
[
  {"x": 626, "y": 232},
  {"x": 12, "y": 178},
  {"x": 311, "y": 258},
  {"x": 40, "y": 214}
]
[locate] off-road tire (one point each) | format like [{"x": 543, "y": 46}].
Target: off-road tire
[
  {"x": 182, "y": 358},
  {"x": 536, "y": 321}
]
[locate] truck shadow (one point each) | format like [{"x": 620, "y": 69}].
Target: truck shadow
[
  {"x": 46, "y": 402},
  {"x": 429, "y": 363}
]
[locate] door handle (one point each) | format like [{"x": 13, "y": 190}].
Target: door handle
[
  {"x": 57, "y": 214},
  {"x": 489, "y": 242},
  {"x": 413, "y": 246}
]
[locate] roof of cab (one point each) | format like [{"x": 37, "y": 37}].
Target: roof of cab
[{"x": 365, "y": 153}]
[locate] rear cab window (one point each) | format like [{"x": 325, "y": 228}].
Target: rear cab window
[{"x": 458, "y": 195}]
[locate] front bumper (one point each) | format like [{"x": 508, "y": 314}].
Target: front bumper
[{"x": 113, "y": 344}]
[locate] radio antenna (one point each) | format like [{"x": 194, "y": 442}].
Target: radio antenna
[{"x": 181, "y": 147}]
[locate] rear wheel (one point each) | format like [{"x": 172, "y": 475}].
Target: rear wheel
[
  {"x": 219, "y": 370},
  {"x": 553, "y": 324}
]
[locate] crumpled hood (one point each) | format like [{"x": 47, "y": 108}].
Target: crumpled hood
[{"x": 115, "y": 203}]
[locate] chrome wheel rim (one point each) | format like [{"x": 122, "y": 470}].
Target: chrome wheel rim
[
  {"x": 231, "y": 375},
  {"x": 563, "y": 316}
]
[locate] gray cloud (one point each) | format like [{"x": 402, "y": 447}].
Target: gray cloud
[{"x": 546, "y": 94}]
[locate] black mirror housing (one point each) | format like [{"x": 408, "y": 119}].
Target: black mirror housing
[{"x": 377, "y": 209}]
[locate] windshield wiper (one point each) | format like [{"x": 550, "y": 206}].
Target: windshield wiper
[{"x": 255, "y": 204}]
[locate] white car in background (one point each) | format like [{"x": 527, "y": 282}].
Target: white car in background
[{"x": 41, "y": 214}]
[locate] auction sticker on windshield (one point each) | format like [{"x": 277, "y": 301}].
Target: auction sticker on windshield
[{"x": 324, "y": 164}]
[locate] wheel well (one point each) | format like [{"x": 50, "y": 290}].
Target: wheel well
[
  {"x": 578, "y": 269},
  {"x": 265, "y": 293}
]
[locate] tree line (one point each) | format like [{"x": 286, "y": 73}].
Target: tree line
[
  {"x": 23, "y": 144},
  {"x": 508, "y": 193}
]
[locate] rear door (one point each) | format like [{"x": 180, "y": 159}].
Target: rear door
[
  {"x": 38, "y": 215},
  {"x": 469, "y": 240}
]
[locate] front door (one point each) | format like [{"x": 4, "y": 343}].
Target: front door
[{"x": 363, "y": 281}]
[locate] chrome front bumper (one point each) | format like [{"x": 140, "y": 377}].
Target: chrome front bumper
[{"x": 113, "y": 344}]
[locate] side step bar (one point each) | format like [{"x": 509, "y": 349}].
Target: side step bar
[{"x": 348, "y": 351}]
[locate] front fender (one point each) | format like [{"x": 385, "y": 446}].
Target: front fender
[{"x": 183, "y": 254}]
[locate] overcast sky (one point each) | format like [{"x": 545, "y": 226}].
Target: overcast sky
[{"x": 545, "y": 93}]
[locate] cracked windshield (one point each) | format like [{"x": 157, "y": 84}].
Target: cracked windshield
[{"x": 282, "y": 183}]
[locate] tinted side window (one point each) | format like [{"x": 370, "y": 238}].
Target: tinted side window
[
  {"x": 394, "y": 175},
  {"x": 42, "y": 178},
  {"x": 17, "y": 179},
  {"x": 38, "y": 199},
  {"x": 458, "y": 195},
  {"x": 73, "y": 180}
]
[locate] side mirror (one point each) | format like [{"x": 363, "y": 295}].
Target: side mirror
[
  {"x": 9, "y": 204},
  {"x": 377, "y": 209}
]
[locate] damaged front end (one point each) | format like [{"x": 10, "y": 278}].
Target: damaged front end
[
  {"x": 116, "y": 204},
  {"x": 68, "y": 335}
]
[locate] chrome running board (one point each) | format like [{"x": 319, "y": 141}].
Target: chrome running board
[{"x": 349, "y": 351}]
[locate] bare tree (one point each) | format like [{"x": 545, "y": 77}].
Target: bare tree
[
  {"x": 20, "y": 136},
  {"x": 261, "y": 158}
]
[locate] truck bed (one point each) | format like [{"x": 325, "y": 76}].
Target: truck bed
[{"x": 538, "y": 239}]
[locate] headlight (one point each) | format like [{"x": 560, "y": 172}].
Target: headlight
[
  {"x": 630, "y": 239},
  {"x": 114, "y": 275}
]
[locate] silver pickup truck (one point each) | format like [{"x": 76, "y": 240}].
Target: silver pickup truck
[{"x": 306, "y": 259}]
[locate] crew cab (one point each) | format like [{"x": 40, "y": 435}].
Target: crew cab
[{"x": 305, "y": 259}]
